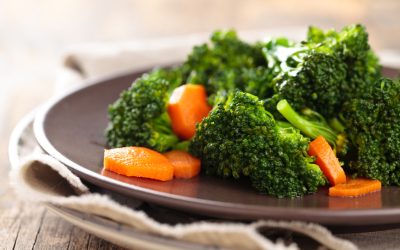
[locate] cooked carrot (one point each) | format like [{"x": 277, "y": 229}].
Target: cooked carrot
[
  {"x": 186, "y": 107},
  {"x": 139, "y": 162},
  {"x": 162, "y": 186},
  {"x": 373, "y": 200},
  {"x": 327, "y": 160},
  {"x": 185, "y": 165},
  {"x": 355, "y": 187}
]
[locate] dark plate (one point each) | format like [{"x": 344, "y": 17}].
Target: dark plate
[{"x": 71, "y": 129}]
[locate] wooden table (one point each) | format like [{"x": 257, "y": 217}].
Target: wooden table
[
  {"x": 31, "y": 226},
  {"x": 31, "y": 42}
]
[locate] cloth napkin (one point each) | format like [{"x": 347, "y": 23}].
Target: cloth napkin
[{"x": 39, "y": 177}]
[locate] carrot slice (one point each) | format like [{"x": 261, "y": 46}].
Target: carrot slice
[
  {"x": 355, "y": 187},
  {"x": 185, "y": 165},
  {"x": 186, "y": 107},
  {"x": 139, "y": 162},
  {"x": 327, "y": 160}
]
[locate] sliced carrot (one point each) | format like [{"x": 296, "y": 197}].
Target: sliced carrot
[
  {"x": 186, "y": 107},
  {"x": 327, "y": 160},
  {"x": 372, "y": 200},
  {"x": 355, "y": 187},
  {"x": 185, "y": 165},
  {"x": 139, "y": 162},
  {"x": 162, "y": 186}
]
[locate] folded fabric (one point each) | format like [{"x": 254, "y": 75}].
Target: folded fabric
[{"x": 41, "y": 178}]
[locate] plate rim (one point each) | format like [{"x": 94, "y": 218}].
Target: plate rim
[{"x": 201, "y": 206}]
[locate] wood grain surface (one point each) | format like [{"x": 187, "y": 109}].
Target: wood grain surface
[
  {"x": 34, "y": 33},
  {"x": 25, "y": 225}
]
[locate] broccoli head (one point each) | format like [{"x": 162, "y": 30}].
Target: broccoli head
[
  {"x": 226, "y": 64},
  {"x": 315, "y": 82},
  {"x": 240, "y": 138},
  {"x": 352, "y": 47},
  {"x": 139, "y": 117},
  {"x": 325, "y": 71},
  {"x": 351, "y": 43},
  {"x": 373, "y": 125}
]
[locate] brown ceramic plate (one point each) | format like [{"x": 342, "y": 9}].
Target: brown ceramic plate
[{"x": 71, "y": 129}]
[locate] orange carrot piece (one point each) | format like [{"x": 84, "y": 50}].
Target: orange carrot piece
[
  {"x": 327, "y": 160},
  {"x": 185, "y": 165},
  {"x": 355, "y": 187},
  {"x": 186, "y": 107},
  {"x": 139, "y": 162}
]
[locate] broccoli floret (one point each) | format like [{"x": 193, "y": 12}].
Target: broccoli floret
[
  {"x": 315, "y": 82},
  {"x": 139, "y": 116},
  {"x": 240, "y": 138},
  {"x": 226, "y": 64},
  {"x": 308, "y": 78},
  {"x": 351, "y": 46},
  {"x": 351, "y": 43},
  {"x": 325, "y": 71},
  {"x": 373, "y": 125}
]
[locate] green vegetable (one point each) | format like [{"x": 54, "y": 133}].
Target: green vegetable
[
  {"x": 373, "y": 125},
  {"x": 139, "y": 116},
  {"x": 314, "y": 82},
  {"x": 227, "y": 64},
  {"x": 323, "y": 72},
  {"x": 183, "y": 146},
  {"x": 351, "y": 46},
  {"x": 241, "y": 139},
  {"x": 312, "y": 124},
  {"x": 311, "y": 128}
]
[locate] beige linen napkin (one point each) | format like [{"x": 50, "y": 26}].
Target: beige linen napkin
[{"x": 41, "y": 178}]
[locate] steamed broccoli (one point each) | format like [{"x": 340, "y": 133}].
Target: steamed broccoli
[
  {"x": 325, "y": 71},
  {"x": 351, "y": 46},
  {"x": 373, "y": 125},
  {"x": 313, "y": 80},
  {"x": 308, "y": 78},
  {"x": 312, "y": 124},
  {"x": 331, "y": 76},
  {"x": 226, "y": 64},
  {"x": 139, "y": 117},
  {"x": 240, "y": 138}
]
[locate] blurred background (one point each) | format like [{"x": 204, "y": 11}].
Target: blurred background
[{"x": 35, "y": 33}]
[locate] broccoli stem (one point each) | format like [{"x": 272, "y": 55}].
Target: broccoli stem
[
  {"x": 309, "y": 128},
  {"x": 336, "y": 125},
  {"x": 282, "y": 124},
  {"x": 183, "y": 145}
]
